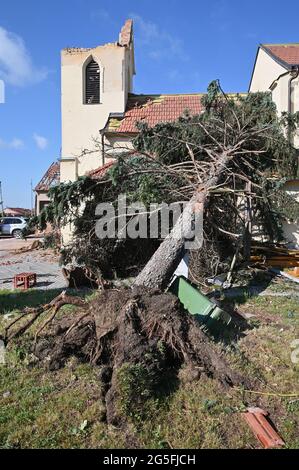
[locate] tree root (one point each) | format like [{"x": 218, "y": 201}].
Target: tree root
[
  {"x": 142, "y": 330},
  {"x": 58, "y": 302}
]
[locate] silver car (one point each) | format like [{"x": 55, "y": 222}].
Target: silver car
[{"x": 13, "y": 226}]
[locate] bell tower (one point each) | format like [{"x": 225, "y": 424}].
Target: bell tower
[{"x": 94, "y": 83}]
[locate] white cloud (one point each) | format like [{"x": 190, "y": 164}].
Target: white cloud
[
  {"x": 161, "y": 44},
  {"x": 100, "y": 14},
  {"x": 16, "y": 66},
  {"x": 40, "y": 141},
  {"x": 15, "y": 143}
]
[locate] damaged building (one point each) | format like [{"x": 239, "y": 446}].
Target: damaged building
[{"x": 100, "y": 111}]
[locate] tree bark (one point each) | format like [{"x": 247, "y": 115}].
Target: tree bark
[
  {"x": 159, "y": 269},
  {"x": 248, "y": 223}
]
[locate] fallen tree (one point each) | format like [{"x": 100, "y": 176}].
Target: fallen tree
[
  {"x": 161, "y": 266},
  {"x": 235, "y": 151},
  {"x": 140, "y": 337}
]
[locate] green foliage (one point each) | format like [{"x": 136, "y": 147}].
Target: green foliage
[
  {"x": 213, "y": 93},
  {"x": 285, "y": 204},
  {"x": 247, "y": 126},
  {"x": 142, "y": 389},
  {"x": 136, "y": 388},
  {"x": 52, "y": 240}
]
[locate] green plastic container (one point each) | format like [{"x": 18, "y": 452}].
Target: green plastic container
[{"x": 207, "y": 313}]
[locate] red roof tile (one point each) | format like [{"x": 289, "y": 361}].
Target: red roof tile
[
  {"x": 100, "y": 172},
  {"x": 17, "y": 211},
  {"x": 154, "y": 109},
  {"x": 287, "y": 53}
]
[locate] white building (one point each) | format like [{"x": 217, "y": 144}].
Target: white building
[
  {"x": 100, "y": 111},
  {"x": 276, "y": 69}
]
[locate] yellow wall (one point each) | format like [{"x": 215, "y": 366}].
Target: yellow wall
[{"x": 81, "y": 123}]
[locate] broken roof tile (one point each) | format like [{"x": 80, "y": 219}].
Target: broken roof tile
[{"x": 154, "y": 109}]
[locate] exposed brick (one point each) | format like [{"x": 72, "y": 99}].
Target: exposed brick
[{"x": 126, "y": 33}]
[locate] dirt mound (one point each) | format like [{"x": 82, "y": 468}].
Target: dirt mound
[{"x": 141, "y": 338}]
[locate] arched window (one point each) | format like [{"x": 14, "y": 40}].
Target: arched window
[{"x": 92, "y": 83}]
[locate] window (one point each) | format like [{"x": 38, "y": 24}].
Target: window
[
  {"x": 12, "y": 221},
  {"x": 92, "y": 83}
]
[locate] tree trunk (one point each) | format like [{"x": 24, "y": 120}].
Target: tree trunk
[
  {"x": 248, "y": 223},
  {"x": 159, "y": 269}
]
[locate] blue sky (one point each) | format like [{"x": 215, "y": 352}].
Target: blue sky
[{"x": 180, "y": 47}]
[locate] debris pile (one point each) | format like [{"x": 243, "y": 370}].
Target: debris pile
[{"x": 275, "y": 256}]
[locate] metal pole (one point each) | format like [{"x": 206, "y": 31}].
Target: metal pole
[
  {"x": 1, "y": 200},
  {"x": 31, "y": 197}
]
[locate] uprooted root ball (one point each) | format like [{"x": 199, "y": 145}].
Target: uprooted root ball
[{"x": 141, "y": 338}]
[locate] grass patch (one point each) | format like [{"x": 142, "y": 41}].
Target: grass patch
[
  {"x": 40, "y": 409},
  {"x": 15, "y": 300},
  {"x": 285, "y": 308}
]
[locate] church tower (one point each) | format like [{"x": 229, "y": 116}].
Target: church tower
[{"x": 94, "y": 83}]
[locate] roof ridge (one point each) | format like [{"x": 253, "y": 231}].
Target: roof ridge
[
  {"x": 280, "y": 44},
  {"x": 166, "y": 94},
  {"x": 132, "y": 95}
]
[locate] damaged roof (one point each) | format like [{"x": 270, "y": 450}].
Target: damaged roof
[
  {"x": 101, "y": 171},
  {"x": 153, "y": 109},
  {"x": 286, "y": 55},
  {"x": 125, "y": 39},
  {"x": 50, "y": 178},
  {"x": 126, "y": 33}
]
